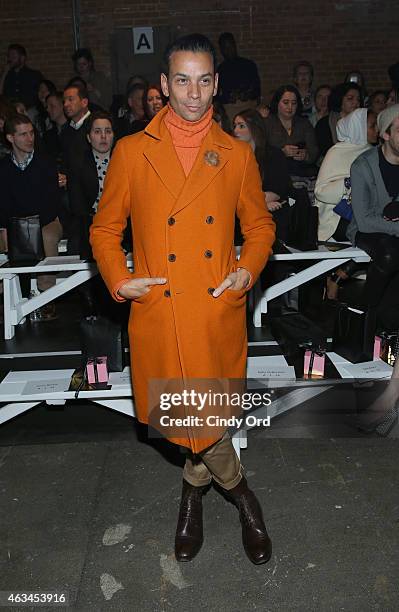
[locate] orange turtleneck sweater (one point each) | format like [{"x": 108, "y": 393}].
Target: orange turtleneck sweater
[{"x": 187, "y": 136}]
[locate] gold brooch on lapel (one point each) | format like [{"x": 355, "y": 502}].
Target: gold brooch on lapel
[{"x": 211, "y": 158}]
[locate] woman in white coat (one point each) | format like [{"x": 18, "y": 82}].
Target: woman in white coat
[{"x": 356, "y": 132}]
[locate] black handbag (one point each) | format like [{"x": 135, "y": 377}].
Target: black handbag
[
  {"x": 25, "y": 239},
  {"x": 102, "y": 337},
  {"x": 353, "y": 337}
]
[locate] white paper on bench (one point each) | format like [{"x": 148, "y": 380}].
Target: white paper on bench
[
  {"x": 368, "y": 369},
  {"x": 37, "y": 375},
  {"x": 41, "y": 387},
  {"x": 269, "y": 366}
]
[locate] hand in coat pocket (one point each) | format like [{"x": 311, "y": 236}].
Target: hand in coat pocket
[{"x": 235, "y": 281}]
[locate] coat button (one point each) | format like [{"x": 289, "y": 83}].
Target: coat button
[
  {"x": 171, "y": 221},
  {"x": 209, "y": 219},
  {"x": 208, "y": 254},
  {"x": 166, "y": 293},
  {"x": 172, "y": 257},
  {"x": 211, "y": 290}
]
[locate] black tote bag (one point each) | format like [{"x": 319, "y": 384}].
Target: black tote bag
[
  {"x": 353, "y": 337},
  {"x": 25, "y": 240}
]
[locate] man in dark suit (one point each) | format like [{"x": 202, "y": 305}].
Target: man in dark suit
[
  {"x": 74, "y": 144},
  {"x": 76, "y": 110}
]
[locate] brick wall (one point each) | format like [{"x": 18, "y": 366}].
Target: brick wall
[{"x": 335, "y": 36}]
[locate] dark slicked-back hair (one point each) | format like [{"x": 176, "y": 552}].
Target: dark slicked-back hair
[
  {"x": 78, "y": 85},
  {"x": 10, "y": 125},
  {"x": 197, "y": 43}
]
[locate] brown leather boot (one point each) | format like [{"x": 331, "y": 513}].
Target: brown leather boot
[
  {"x": 255, "y": 539},
  {"x": 189, "y": 531}
]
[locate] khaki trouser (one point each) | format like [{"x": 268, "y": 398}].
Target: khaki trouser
[
  {"x": 52, "y": 234},
  {"x": 219, "y": 461}
]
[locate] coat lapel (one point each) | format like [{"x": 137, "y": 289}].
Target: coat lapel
[
  {"x": 162, "y": 155},
  {"x": 163, "y": 158},
  {"x": 203, "y": 173}
]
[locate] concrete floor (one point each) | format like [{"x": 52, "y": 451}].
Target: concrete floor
[{"x": 89, "y": 507}]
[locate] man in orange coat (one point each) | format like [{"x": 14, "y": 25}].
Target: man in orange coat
[{"x": 182, "y": 181}]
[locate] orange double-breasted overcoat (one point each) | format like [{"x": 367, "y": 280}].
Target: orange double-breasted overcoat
[{"x": 183, "y": 230}]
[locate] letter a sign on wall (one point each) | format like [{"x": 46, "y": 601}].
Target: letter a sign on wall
[{"x": 143, "y": 40}]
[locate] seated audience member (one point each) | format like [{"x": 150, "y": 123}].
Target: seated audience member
[
  {"x": 393, "y": 96},
  {"x": 357, "y": 132},
  {"x": 78, "y": 81},
  {"x": 99, "y": 86},
  {"x": 20, "y": 109},
  {"x": 85, "y": 180},
  {"x": 358, "y": 79},
  {"x": 85, "y": 186},
  {"x": 73, "y": 136},
  {"x": 249, "y": 126},
  {"x": 303, "y": 78},
  {"x": 375, "y": 183},
  {"x": 239, "y": 82},
  {"x": 344, "y": 99},
  {"x": 134, "y": 120},
  {"x": 119, "y": 108},
  {"x": 153, "y": 101},
  {"x": 42, "y": 119},
  {"x": 293, "y": 134},
  {"x": 18, "y": 80},
  {"x": 377, "y": 101},
  {"x": 29, "y": 183},
  {"x": 321, "y": 96}
]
